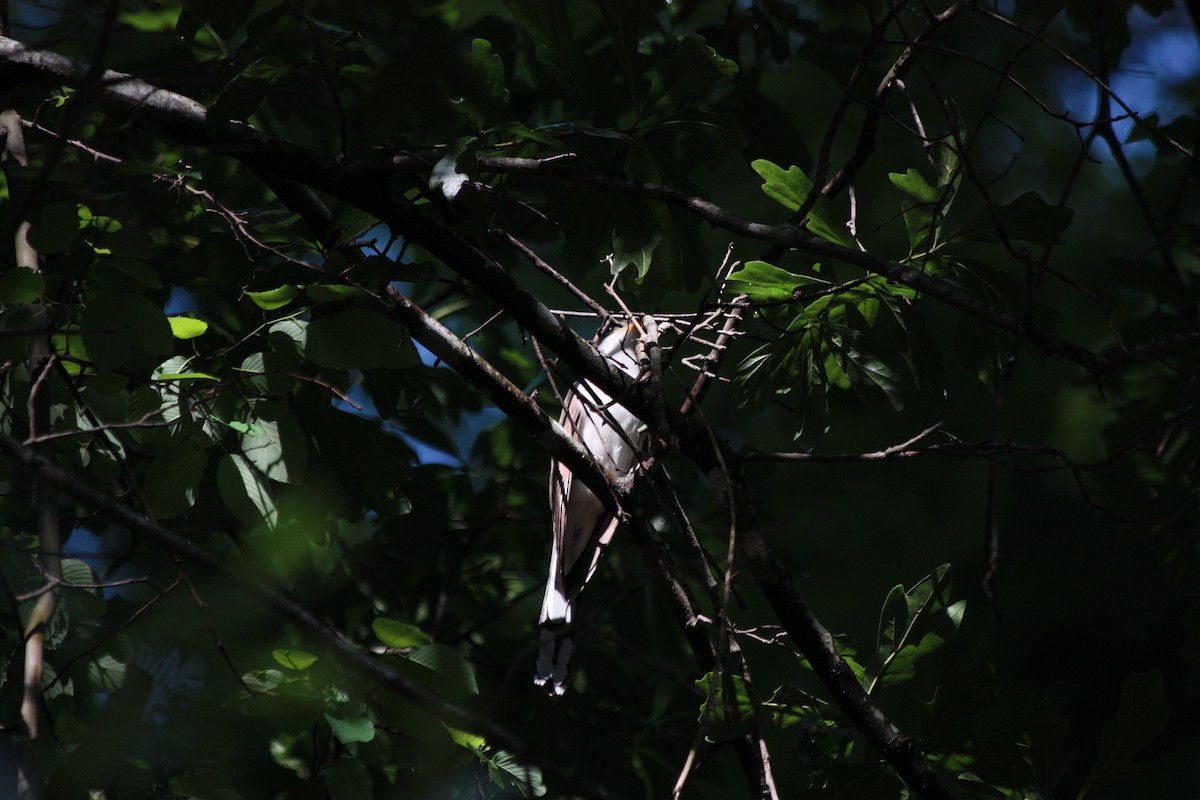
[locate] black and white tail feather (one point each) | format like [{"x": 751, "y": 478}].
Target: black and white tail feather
[{"x": 582, "y": 525}]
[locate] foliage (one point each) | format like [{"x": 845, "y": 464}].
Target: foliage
[{"x": 968, "y": 272}]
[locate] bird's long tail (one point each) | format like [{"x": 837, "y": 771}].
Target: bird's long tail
[{"x": 553, "y": 664}]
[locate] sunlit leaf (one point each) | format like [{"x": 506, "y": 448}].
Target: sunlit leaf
[
  {"x": 276, "y": 446},
  {"x": 186, "y": 327},
  {"x": 761, "y": 282},
  {"x": 349, "y": 731},
  {"x": 914, "y": 623},
  {"x": 452, "y": 676},
  {"x": 185, "y": 376},
  {"x": 394, "y": 633},
  {"x": 510, "y": 775},
  {"x": 635, "y": 236},
  {"x": 450, "y": 173},
  {"x": 272, "y": 299},
  {"x": 359, "y": 339},
  {"x": 727, "y": 712},
  {"x": 105, "y": 673},
  {"x": 245, "y": 491},
  {"x": 791, "y": 188},
  {"x": 294, "y": 659}
]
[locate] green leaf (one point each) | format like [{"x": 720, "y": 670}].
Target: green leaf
[
  {"x": 84, "y": 603},
  {"x": 394, "y": 633},
  {"x": 186, "y": 327},
  {"x": 922, "y": 211},
  {"x": 914, "y": 623},
  {"x": 913, "y": 184},
  {"x": 721, "y": 131},
  {"x": 1141, "y": 717},
  {"x": 1029, "y": 218},
  {"x": 117, "y": 323},
  {"x": 669, "y": 237},
  {"x": 279, "y": 448},
  {"x": 272, "y": 299},
  {"x": 484, "y": 93},
  {"x": 792, "y": 706},
  {"x": 522, "y": 133},
  {"x": 513, "y": 776},
  {"x": 167, "y": 377},
  {"x": 791, "y": 188},
  {"x": 866, "y": 374},
  {"x": 56, "y": 228},
  {"x": 944, "y": 154},
  {"x": 451, "y": 171},
  {"x": 727, "y": 712},
  {"x": 240, "y": 99},
  {"x": 688, "y": 75},
  {"x": 422, "y": 726},
  {"x": 173, "y": 480},
  {"x": 470, "y": 741},
  {"x": 265, "y": 680},
  {"x": 294, "y": 659},
  {"x": 635, "y": 235},
  {"x": 452, "y": 676},
  {"x": 359, "y": 339},
  {"x": 244, "y": 490},
  {"x": 265, "y": 373},
  {"x": 488, "y": 66},
  {"x": 20, "y": 285},
  {"x": 294, "y": 331},
  {"x": 69, "y": 342},
  {"x": 105, "y": 673},
  {"x": 348, "y": 731},
  {"x": 763, "y": 282}
]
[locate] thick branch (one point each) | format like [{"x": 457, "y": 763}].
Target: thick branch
[
  {"x": 516, "y": 405},
  {"x": 40, "y": 364}
]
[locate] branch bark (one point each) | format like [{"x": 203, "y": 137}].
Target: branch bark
[{"x": 41, "y": 365}]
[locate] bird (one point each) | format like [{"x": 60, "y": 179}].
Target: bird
[{"x": 581, "y": 523}]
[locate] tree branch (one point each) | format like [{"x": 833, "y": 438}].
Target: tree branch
[
  {"x": 332, "y": 642},
  {"x": 363, "y": 183}
]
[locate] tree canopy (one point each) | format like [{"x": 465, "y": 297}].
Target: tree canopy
[{"x": 291, "y": 292}]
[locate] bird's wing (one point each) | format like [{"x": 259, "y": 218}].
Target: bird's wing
[{"x": 581, "y": 523}]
